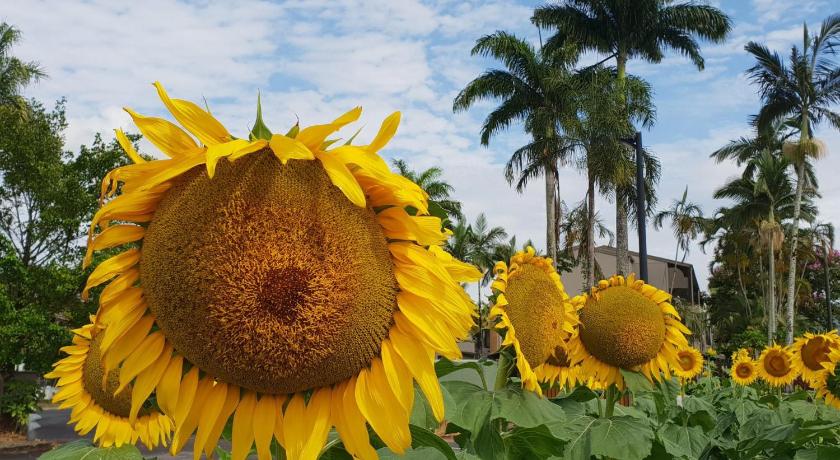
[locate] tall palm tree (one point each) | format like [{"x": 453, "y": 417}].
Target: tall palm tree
[
  {"x": 594, "y": 133},
  {"x": 533, "y": 90},
  {"x": 579, "y": 227},
  {"x": 803, "y": 90},
  {"x": 431, "y": 180},
  {"x": 764, "y": 198},
  {"x": 484, "y": 241},
  {"x": 687, "y": 222},
  {"x": 624, "y": 30},
  {"x": 14, "y": 73}
]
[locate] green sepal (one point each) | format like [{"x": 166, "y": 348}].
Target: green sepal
[{"x": 260, "y": 130}]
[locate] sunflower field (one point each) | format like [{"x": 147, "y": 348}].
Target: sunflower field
[{"x": 289, "y": 296}]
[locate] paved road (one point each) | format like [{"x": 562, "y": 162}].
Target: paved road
[{"x": 54, "y": 428}]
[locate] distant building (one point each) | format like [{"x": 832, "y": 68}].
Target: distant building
[{"x": 667, "y": 274}]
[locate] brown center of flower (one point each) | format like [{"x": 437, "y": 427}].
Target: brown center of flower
[
  {"x": 92, "y": 380},
  {"x": 686, "y": 361},
  {"x": 622, "y": 327},
  {"x": 815, "y": 352},
  {"x": 536, "y": 311},
  {"x": 743, "y": 370},
  {"x": 267, "y": 276},
  {"x": 776, "y": 364}
]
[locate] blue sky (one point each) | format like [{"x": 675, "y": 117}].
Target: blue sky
[{"x": 316, "y": 59}]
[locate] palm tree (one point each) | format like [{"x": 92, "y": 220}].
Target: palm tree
[
  {"x": 687, "y": 222},
  {"x": 632, "y": 29},
  {"x": 595, "y": 132},
  {"x": 579, "y": 227},
  {"x": 764, "y": 198},
  {"x": 533, "y": 90},
  {"x": 485, "y": 240},
  {"x": 431, "y": 180},
  {"x": 14, "y": 73},
  {"x": 803, "y": 90}
]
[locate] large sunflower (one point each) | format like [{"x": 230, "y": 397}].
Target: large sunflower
[
  {"x": 627, "y": 324},
  {"x": 744, "y": 370},
  {"x": 775, "y": 366},
  {"x": 689, "y": 364},
  {"x": 533, "y": 309},
  {"x": 85, "y": 387},
  {"x": 827, "y": 382},
  {"x": 810, "y": 353},
  {"x": 275, "y": 279}
]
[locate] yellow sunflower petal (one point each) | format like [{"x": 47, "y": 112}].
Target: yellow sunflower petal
[
  {"x": 342, "y": 178},
  {"x": 264, "y": 422},
  {"x": 167, "y": 137},
  {"x": 195, "y": 119},
  {"x": 128, "y": 147},
  {"x": 243, "y": 427}
]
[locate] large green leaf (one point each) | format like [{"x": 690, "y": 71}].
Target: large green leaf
[
  {"x": 423, "y": 453},
  {"x": 423, "y": 438},
  {"x": 532, "y": 443},
  {"x": 818, "y": 453},
  {"x": 445, "y": 367},
  {"x": 621, "y": 437},
  {"x": 525, "y": 409},
  {"x": 421, "y": 413},
  {"x": 682, "y": 441},
  {"x": 636, "y": 382},
  {"x": 83, "y": 449}
]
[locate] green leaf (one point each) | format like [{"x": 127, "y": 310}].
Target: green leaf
[
  {"x": 818, "y": 453},
  {"x": 260, "y": 130},
  {"x": 532, "y": 443},
  {"x": 294, "y": 130},
  {"x": 445, "y": 367},
  {"x": 421, "y": 437},
  {"x": 83, "y": 449},
  {"x": 525, "y": 409},
  {"x": 636, "y": 382},
  {"x": 683, "y": 441},
  {"x": 423, "y": 453},
  {"x": 621, "y": 437},
  {"x": 421, "y": 413}
]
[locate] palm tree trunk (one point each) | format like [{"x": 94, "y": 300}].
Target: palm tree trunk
[
  {"x": 621, "y": 262},
  {"x": 621, "y": 265},
  {"x": 551, "y": 216},
  {"x": 791, "y": 281},
  {"x": 589, "y": 275},
  {"x": 771, "y": 275}
]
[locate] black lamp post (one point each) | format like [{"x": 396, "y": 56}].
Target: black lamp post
[{"x": 636, "y": 143}]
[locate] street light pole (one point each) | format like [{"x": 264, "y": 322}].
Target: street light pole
[{"x": 640, "y": 207}]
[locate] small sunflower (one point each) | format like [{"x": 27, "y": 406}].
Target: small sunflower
[
  {"x": 744, "y": 370},
  {"x": 271, "y": 279},
  {"x": 690, "y": 363},
  {"x": 711, "y": 352},
  {"x": 85, "y": 388},
  {"x": 775, "y": 366},
  {"x": 741, "y": 352},
  {"x": 533, "y": 309},
  {"x": 810, "y": 353},
  {"x": 627, "y": 324}
]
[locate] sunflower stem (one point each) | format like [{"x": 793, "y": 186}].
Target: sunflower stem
[
  {"x": 503, "y": 371},
  {"x": 612, "y": 397}
]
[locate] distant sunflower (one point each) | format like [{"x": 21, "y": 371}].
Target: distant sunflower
[
  {"x": 741, "y": 352},
  {"x": 690, "y": 363},
  {"x": 775, "y": 366},
  {"x": 627, "y": 324},
  {"x": 810, "y": 353},
  {"x": 85, "y": 388},
  {"x": 533, "y": 309},
  {"x": 744, "y": 370},
  {"x": 711, "y": 352},
  {"x": 291, "y": 281}
]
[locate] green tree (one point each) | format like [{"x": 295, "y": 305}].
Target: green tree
[
  {"x": 803, "y": 90},
  {"x": 15, "y": 74},
  {"x": 534, "y": 89},
  {"x": 431, "y": 180},
  {"x": 47, "y": 199},
  {"x": 626, "y": 30},
  {"x": 687, "y": 223}
]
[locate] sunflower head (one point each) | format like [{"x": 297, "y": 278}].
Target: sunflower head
[
  {"x": 690, "y": 363},
  {"x": 775, "y": 366},
  {"x": 711, "y": 352},
  {"x": 827, "y": 386},
  {"x": 741, "y": 352},
  {"x": 744, "y": 370},
  {"x": 534, "y": 310},
  {"x": 810, "y": 353},
  {"x": 98, "y": 401},
  {"x": 273, "y": 277},
  {"x": 627, "y": 324}
]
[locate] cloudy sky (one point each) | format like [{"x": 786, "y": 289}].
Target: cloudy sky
[{"x": 316, "y": 59}]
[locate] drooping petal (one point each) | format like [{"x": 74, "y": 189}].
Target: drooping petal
[
  {"x": 167, "y": 137},
  {"x": 195, "y": 119}
]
